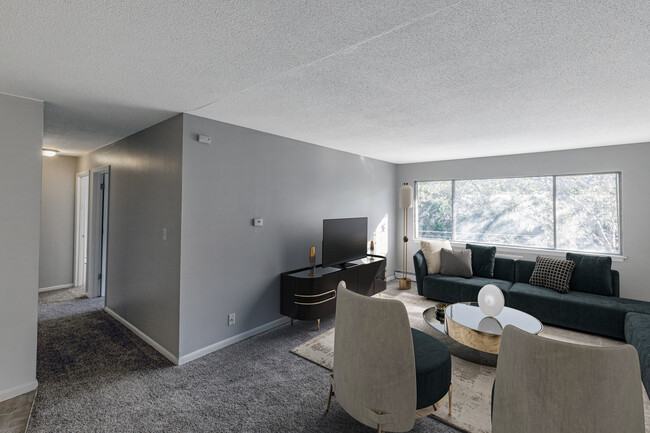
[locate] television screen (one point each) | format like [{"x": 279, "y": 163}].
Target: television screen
[{"x": 344, "y": 240}]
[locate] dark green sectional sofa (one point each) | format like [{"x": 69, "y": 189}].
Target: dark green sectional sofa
[
  {"x": 603, "y": 312},
  {"x": 589, "y": 312}
]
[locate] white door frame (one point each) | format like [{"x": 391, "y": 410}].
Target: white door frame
[
  {"x": 97, "y": 232},
  {"x": 80, "y": 229}
]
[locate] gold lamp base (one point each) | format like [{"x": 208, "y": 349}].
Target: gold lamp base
[{"x": 404, "y": 283}]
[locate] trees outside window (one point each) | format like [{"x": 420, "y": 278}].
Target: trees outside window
[{"x": 578, "y": 213}]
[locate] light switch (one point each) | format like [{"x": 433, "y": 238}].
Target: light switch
[
  {"x": 258, "y": 222},
  {"x": 164, "y": 234}
]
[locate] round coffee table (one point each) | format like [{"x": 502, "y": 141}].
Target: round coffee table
[{"x": 466, "y": 323}]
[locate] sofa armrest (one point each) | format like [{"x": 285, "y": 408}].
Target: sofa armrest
[
  {"x": 420, "y": 265},
  {"x": 616, "y": 283}
]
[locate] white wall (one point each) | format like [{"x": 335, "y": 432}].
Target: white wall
[
  {"x": 143, "y": 270},
  {"x": 229, "y": 266},
  {"x": 21, "y": 138},
  {"x": 631, "y": 160},
  {"x": 57, "y": 222}
]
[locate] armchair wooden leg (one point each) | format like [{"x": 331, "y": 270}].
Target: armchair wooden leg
[
  {"x": 329, "y": 399},
  {"x": 379, "y": 425},
  {"x": 451, "y": 389}
]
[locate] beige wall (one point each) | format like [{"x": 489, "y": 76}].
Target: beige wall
[
  {"x": 143, "y": 270},
  {"x": 21, "y": 138},
  {"x": 56, "y": 265}
]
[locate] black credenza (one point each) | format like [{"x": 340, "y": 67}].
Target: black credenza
[{"x": 305, "y": 297}]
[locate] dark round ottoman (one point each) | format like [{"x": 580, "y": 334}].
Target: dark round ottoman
[{"x": 432, "y": 368}]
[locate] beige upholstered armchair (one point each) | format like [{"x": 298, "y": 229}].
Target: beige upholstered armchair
[
  {"x": 375, "y": 378},
  {"x": 544, "y": 385}
]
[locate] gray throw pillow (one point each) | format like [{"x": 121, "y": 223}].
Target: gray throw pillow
[
  {"x": 552, "y": 273},
  {"x": 456, "y": 263}
]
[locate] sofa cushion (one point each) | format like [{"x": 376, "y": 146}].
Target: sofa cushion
[
  {"x": 523, "y": 270},
  {"x": 633, "y": 305},
  {"x": 593, "y": 274},
  {"x": 457, "y": 289},
  {"x": 420, "y": 267},
  {"x": 552, "y": 273},
  {"x": 431, "y": 250},
  {"x": 504, "y": 269},
  {"x": 456, "y": 263},
  {"x": 432, "y": 368},
  {"x": 482, "y": 260},
  {"x": 637, "y": 333},
  {"x": 577, "y": 310}
]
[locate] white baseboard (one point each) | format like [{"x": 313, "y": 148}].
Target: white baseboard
[
  {"x": 150, "y": 341},
  {"x": 6, "y": 394},
  {"x": 49, "y": 289},
  {"x": 404, "y": 275},
  {"x": 232, "y": 340},
  {"x": 391, "y": 278}
]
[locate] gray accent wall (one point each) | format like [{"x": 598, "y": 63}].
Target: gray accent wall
[
  {"x": 143, "y": 270},
  {"x": 56, "y": 265},
  {"x": 631, "y": 160},
  {"x": 21, "y": 138},
  {"x": 229, "y": 266}
]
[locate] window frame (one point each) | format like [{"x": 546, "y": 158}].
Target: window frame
[{"x": 616, "y": 256}]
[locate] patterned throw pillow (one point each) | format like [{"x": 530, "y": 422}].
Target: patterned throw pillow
[{"x": 552, "y": 273}]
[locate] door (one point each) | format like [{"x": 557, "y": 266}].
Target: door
[
  {"x": 81, "y": 228},
  {"x": 98, "y": 232}
]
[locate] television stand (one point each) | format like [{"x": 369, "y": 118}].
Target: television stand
[
  {"x": 347, "y": 265},
  {"x": 306, "y": 297}
]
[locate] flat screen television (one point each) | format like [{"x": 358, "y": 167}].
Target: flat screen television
[{"x": 344, "y": 240}]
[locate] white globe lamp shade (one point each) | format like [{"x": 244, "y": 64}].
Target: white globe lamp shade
[
  {"x": 491, "y": 300},
  {"x": 406, "y": 196}
]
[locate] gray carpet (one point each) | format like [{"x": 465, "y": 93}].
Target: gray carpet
[
  {"x": 96, "y": 376},
  {"x": 55, "y": 296}
]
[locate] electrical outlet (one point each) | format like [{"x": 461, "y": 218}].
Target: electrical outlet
[{"x": 231, "y": 319}]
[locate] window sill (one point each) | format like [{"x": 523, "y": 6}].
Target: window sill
[{"x": 516, "y": 253}]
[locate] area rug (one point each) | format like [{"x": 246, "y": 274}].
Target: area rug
[{"x": 472, "y": 372}]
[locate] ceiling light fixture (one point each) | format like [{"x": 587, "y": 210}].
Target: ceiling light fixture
[{"x": 50, "y": 152}]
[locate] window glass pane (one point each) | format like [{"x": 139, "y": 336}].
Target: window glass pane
[
  {"x": 433, "y": 209},
  {"x": 587, "y": 213},
  {"x": 512, "y": 211}
]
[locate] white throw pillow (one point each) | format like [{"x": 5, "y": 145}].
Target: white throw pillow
[{"x": 431, "y": 250}]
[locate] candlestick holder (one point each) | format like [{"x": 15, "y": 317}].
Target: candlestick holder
[{"x": 312, "y": 261}]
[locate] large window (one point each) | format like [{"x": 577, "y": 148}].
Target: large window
[{"x": 578, "y": 213}]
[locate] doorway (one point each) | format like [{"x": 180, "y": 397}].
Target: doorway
[
  {"x": 81, "y": 228},
  {"x": 99, "y": 186}
]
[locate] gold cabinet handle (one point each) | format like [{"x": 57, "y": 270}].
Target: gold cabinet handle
[{"x": 314, "y": 296}]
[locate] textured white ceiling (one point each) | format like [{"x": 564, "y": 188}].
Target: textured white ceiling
[{"x": 401, "y": 81}]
